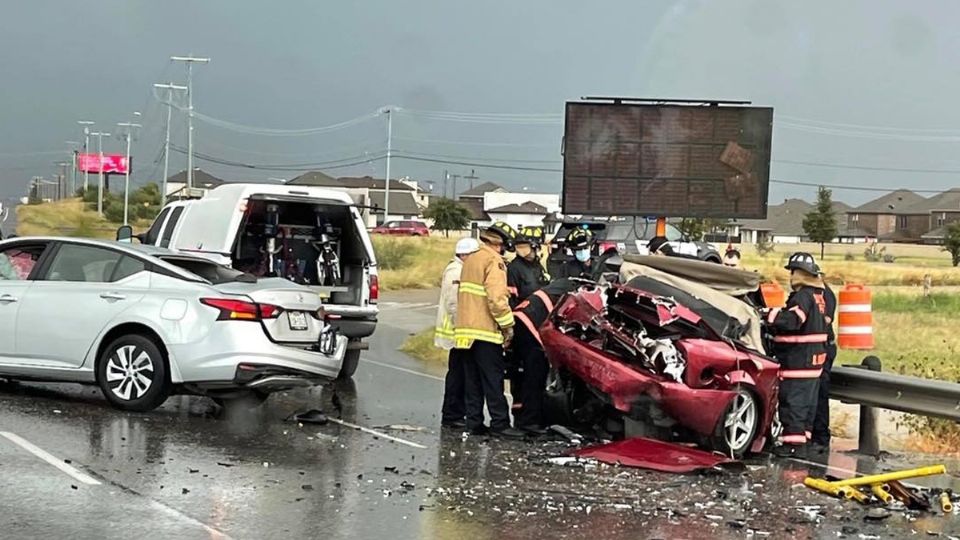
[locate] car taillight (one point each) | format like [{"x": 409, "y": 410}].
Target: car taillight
[
  {"x": 374, "y": 289},
  {"x": 238, "y": 310}
]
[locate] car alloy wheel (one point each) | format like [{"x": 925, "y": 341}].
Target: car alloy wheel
[
  {"x": 130, "y": 372},
  {"x": 740, "y": 422}
]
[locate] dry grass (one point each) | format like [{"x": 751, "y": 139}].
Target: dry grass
[
  {"x": 912, "y": 264},
  {"x": 70, "y": 217},
  {"x": 417, "y": 263},
  {"x": 840, "y": 424},
  {"x": 935, "y": 441},
  {"x": 421, "y": 347}
]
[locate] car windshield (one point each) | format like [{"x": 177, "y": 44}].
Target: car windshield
[{"x": 214, "y": 273}]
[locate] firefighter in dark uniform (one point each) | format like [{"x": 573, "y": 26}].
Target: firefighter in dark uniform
[
  {"x": 527, "y": 347},
  {"x": 799, "y": 344},
  {"x": 821, "y": 423},
  {"x": 525, "y": 274},
  {"x": 580, "y": 242}
]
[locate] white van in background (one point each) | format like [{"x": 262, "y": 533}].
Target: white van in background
[{"x": 312, "y": 236}]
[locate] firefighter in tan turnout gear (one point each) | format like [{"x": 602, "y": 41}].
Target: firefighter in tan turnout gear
[{"x": 484, "y": 325}]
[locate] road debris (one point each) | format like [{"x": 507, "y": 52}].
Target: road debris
[{"x": 655, "y": 455}]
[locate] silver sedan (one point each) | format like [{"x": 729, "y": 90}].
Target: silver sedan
[{"x": 144, "y": 323}]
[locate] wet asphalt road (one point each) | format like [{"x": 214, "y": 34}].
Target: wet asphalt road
[{"x": 193, "y": 470}]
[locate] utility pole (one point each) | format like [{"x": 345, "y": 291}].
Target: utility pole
[
  {"x": 128, "y": 128},
  {"x": 100, "y": 135},
  {"x": 62, "y": 180},
  {"x": 73, "y": 162},
  {"x": 472, "y": 177},
  {"x": 386, "y": 184},
  {"x": 86, "y": 144},
  {"x": 170, "y": 87},
  {"x": 454, "y": 176},
  {"x": 189, "y": 61},
  {"x": 446, "y": 177}
]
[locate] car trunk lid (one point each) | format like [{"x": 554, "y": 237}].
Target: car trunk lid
[{"x": 300, "y": 316}]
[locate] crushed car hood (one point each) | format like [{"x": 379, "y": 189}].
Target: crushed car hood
[{"x": 653, "y": 454}]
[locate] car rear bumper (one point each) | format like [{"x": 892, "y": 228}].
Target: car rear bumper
[
  {"x": 697, "y": 409},
  {"x": 230, "y": 344}
]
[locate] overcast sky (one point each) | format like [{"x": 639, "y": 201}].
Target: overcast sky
[{"x": 839, "y": 75}]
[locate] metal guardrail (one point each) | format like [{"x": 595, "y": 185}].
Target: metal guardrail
[
  {"x": 927, "y": 397},
  {"x": 871, "y": 389}
]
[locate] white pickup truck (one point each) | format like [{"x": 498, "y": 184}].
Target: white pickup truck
[{"x": 311, "y": 236}]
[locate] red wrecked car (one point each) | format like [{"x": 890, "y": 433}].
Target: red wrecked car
[{"x": 674, "y": 350}]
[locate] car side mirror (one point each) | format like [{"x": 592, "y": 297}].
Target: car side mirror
[{"x": 125, "y": 234}]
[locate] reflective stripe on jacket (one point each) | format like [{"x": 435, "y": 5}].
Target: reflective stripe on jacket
[
  {"x": 483, "y": 307},
  {"x": 443, "y": 335}
]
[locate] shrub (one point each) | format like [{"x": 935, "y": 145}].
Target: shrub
[
  {"x": 392, "y": 253},
  {"x": 849, "y": 256},
  {"x": 765, "y": 247}
]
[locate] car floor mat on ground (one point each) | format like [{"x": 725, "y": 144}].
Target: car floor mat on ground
[{"x": 653, "y": 454}]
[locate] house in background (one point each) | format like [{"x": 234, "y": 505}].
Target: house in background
[
  {"x": 889, "y": 217},
  {"x": 202, "y": 183},
  {"x": 407, "y": 200},
  {"x": 491, "y": 202},
  {"x": 528, "y": 214},
  {"x": 784, "y": 224}
]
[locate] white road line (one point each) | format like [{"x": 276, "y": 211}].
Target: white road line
[
  {"x": 405, "y": 370},
  {"x": 377, "y": 433},
  {"x": 49, "y": 458},
  {"x": 214, "y": 533}
]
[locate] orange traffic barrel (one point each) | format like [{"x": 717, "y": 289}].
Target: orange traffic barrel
[
  {"x": 855, "y": 318},
  {"x": 773, "y": 294}
]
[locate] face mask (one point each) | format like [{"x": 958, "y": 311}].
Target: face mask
[{"x": 582, "y": 255}]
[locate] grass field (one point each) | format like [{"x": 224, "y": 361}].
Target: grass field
[
  {"x": 411, "y": 263},
  {"x": 70, "y": 217}
]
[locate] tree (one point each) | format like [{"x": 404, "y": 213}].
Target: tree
[
  {"x": 951, "y": 241},
  {"x": 447, "y": 216},
  {"x": 820, "y": 224},
  {"x": 692, "y": 228}
]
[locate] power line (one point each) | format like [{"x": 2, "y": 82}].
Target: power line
[
  {"x": 334, "y": 164},
  {"x": 502, "y": 160},
  {"x": 478, "y": 143},
  {"x": 824, "y": 123},
  {"x": 867, "y": 134},
  {"x": 867, "y": 167}
]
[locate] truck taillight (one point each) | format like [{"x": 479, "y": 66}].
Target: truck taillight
[
  {"x": 374, "y": 289},
  {"x": 238, "y": 310}
]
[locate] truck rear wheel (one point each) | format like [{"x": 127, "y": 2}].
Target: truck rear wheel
[{"x": 351, "y": 359}]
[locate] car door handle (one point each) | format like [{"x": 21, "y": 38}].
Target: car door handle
[
  {"x": 113, "y": 296},
  {"x": 7, "y": 299}
]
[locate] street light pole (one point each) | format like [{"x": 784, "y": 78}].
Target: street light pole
[
  {"x": 170, "y": 87},
  {"x": 128, "y": 128},
  {"x": 73, "y": 171},
  {"x": 386, "y": 183},
  {"x": 86, "y": 144},
  {"x": 100, "y": 135},
  {"x": 190, "y": 60}
]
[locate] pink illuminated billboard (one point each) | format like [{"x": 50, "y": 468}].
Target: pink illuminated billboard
[{"x": 111, "y": 163}]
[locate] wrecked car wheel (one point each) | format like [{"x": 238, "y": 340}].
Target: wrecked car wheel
[
  {"x": 562, "y": 398},
  {"x": 738, "y": 426}
]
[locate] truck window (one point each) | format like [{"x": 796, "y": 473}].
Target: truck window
[
  {"x": 153, "y": 234},
  {"x": 168, "y": 230}
]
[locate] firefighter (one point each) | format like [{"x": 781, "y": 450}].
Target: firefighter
[
  {"x": 799, "y": 345},
  {"x": 580, "y": 242},
  {"x": 732, "y": 257},
  {"x": 484, "y": 326},
  {"x": 821, "y": 422},
  {"x": 528, "y": 347},
  {"x": 452, "y": 411},
  {"x": 525, "y": 274}
]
